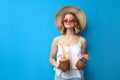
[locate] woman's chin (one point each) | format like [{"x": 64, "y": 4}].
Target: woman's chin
[{"x": 68, "y": 27}]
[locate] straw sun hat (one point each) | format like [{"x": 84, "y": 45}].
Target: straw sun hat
[{"x": 77, "y": 11}]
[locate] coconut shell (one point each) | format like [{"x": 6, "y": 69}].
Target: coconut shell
[
  {"x": 80, "y": 64},
  {"x": 64, "y": 64}
]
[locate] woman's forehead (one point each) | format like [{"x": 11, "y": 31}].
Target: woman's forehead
[{"x": 69, "y": 16}]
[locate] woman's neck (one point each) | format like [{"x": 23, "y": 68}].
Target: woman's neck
[{"x": 70, "y": 33}]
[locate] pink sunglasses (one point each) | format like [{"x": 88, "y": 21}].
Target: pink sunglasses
[{"x": 68, "y": 20}]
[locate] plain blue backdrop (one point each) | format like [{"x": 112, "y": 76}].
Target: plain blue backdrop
[{"x": 27, "y": 29}]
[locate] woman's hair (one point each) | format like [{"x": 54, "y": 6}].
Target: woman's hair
[{"x": 77, "y": 27}]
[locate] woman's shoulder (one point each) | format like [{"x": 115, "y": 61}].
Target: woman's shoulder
[
  {"x": 56, "y": 39},
  {"x": 83, "y": 39}
]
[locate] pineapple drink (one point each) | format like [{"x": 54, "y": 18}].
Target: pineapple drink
[{"x": 64, "y": 62}]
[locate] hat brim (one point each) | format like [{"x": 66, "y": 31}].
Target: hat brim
[{"x": 77, "y": 11}]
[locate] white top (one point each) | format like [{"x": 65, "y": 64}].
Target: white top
[{"x": 73, "y": 52}]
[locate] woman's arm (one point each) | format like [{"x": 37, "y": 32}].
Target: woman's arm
[
  {"x": 84, "y": 48},
  {"x": 54, "y": 48},
  {"x": 83, "y": 45}
]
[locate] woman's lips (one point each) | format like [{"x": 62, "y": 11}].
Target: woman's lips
[{"x": 68, "y": 24}]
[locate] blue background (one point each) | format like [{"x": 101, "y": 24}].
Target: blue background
[{"x": 27, "y": 29}]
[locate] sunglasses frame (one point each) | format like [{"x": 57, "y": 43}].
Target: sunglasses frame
[{"x": 69, "y": 20}]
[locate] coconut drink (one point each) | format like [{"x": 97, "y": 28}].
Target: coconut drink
[
  {"x": 64, "y": 63},
  {"x": 81, "y": 62}
]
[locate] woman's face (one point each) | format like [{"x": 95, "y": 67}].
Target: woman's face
[{"x": 68, "y": 21}]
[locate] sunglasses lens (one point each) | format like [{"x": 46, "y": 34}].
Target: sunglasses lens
[
  {"x": 70, "y": 21},
  {"x": 65, "y": 20}
]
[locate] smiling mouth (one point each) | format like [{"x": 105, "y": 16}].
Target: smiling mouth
[{"x": 68, "y": 24}]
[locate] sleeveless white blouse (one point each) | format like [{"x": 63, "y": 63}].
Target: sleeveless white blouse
[{"x": 73, "y": 53}]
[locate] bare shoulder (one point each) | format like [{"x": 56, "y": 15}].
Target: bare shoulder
[
  {"x": 56, "y": 39},
  {"x": 83, "y": 39}
]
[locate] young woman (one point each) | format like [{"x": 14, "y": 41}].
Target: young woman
[{"x": 70, "y": 21}]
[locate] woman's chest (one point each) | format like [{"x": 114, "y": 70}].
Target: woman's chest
[
  {"x": 70, "y": 50},
  {"x": 73, "y": 49},
  {"x": 70, "y": 42}
]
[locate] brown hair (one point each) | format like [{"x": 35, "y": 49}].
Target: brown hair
[{"x": 77, "y": 27}]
